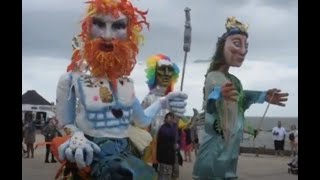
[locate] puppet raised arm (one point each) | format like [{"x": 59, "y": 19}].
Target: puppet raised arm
[
  {"x": 252, "y": 97},
  {"x": 174, "y": 101},
  {"x": 273, "y": 96}
]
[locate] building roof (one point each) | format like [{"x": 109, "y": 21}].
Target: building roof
[{"x": 32, "y": 97}]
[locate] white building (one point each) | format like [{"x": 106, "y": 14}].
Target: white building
[{"x": 34, "y": 103}]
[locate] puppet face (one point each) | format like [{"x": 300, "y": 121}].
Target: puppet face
[
  {"x": 164, "y": 73},
  {"x": 108, "y": 51},
  {"x": 109, "y": 28},
  {"x": 111, "y": 33},
  {"x": 235, "y": 50}
]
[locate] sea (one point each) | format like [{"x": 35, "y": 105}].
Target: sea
[{"x": 264, "y": 137}]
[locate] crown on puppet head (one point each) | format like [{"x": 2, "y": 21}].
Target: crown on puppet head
[{"x": 233, "y": 23}]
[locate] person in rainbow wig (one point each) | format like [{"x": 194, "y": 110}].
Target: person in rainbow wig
[
  {"x": 225, "y": 102},
  {"x": 162, "y": 74},
  {"x": 96, "y": 98}
]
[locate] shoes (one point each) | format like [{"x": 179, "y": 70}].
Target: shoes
[
  {"x": 53, "y": 161},
  {"x": 46, "y": 161}
]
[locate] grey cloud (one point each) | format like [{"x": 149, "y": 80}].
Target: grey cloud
[
  {"x": 53, "y": 5},
  {"x": 229, "y": 3},
  {"x": 280, "y": 3},
  {"x": 48, "y": 33},
  {"x": 273, "y": 31}
]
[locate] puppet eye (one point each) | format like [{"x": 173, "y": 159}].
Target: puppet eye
[
  {"x": 119, "y": 25},
  {"x": 237, "y": 43},
  {"x": 98, "y": 22}
]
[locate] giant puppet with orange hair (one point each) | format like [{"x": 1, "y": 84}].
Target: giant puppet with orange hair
[{"x": 96, "y": 98}]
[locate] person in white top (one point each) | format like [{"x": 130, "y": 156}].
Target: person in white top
[{"x": 279, "y": 135}]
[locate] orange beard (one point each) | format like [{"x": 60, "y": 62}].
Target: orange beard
[{"x": 113, "y": 64}]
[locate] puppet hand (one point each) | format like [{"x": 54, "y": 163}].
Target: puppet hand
[
  {"x": 229, "y": 92},
  {"x": 74, "y": 149},
  {"x": 176, "y": 102},
  {"x": 275, "y": 97}
]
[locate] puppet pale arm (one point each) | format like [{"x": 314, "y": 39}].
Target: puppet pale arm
[
  {"x": 174, "y": 101},
  {"x": 66, "y": 102},
  {"x": 66, "y": 113}
]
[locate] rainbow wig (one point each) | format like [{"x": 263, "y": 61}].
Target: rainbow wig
[{"x": 151, "y": 72}]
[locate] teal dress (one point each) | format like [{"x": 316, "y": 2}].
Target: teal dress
[{"x": 224, "y": 123}]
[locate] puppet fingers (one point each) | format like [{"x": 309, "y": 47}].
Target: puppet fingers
[
  {"x": 62, "y": 149},
  {"x": 69, "y": 155},
  {"x": 79, "y": 158},
  {"x": 175, "y": 104},
  {"x": 89, "y": 154}
]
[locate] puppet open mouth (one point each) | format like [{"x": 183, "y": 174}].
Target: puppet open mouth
[
  {"x": 106, "y": 47},
  {"x": 165, "y": 78}
]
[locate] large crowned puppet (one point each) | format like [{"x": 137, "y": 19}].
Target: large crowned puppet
[
  {"x": 96, "y": 99},
  {"x": 225, "y": 104}
]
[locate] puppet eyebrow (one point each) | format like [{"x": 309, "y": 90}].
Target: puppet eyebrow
[
  {"x": 236, "y": 38},
  {"x": 120, "y": 21},
  {"x": 123, "y": 19}
]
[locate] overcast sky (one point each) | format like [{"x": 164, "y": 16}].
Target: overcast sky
[{"x": 272, "y": 61}]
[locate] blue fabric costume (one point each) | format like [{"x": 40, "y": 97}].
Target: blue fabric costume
[
  {"x": 224, "y": 120},
  {"x": 216, "y": 159}
]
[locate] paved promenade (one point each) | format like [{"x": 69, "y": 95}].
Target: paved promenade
[{"x": 250, "y": 167}]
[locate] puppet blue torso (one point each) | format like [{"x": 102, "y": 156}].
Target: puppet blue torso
[{"x": 103, "y": 109}]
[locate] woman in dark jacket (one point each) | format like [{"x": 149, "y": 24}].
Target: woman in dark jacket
[
  {"x": 29, "y": 135},
  {"x": 50, "y": 131},
  {"x": 168, "y": 167}
]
